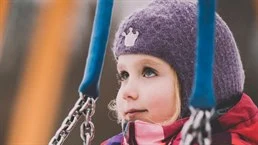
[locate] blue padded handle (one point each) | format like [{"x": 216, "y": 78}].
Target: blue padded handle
[
  {"x": 203, "y": 91},
  {"x": 90, "y": 82}
]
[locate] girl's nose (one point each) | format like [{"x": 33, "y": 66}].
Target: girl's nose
[{"x": 130, "y": 91}]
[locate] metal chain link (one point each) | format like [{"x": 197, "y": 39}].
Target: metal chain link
[
  {"x": 80, "y": 107},
  {"x": 87, "y": 127},
  {"x": 198, "y": 127}
]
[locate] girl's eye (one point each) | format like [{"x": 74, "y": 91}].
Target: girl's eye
[
  {"x": 149, "y": 72},
  {"x": 123, "y": 75}
]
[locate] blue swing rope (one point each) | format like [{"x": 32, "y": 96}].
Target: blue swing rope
[
  {"x": 202, "y": 99},
  {"x": 203, "y": 92},
  {"x": 89, "y": 87},
  {"x": 93, "y": 69}
]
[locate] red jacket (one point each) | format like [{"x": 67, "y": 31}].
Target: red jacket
[{"x": 238, "y": 126}]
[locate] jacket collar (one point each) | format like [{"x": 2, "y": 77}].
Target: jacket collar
[{"x": 244, "y": 110}]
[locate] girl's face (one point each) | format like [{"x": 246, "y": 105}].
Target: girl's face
[{"x": 149, "y": 90}]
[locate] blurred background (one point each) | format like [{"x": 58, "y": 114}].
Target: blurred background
[{"x": 43, "y": 50}]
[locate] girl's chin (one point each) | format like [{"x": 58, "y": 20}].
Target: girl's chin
[
  {"x": 139, "y": 118},
  {"x": 136, "y": 116},
  {"x": 163, "y": 123}
]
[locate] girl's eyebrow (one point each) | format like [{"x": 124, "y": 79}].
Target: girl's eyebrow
[{"x": 149, "y": 62}]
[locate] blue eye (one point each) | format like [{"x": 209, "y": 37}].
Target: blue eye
[
  {"x": 149, "y": 72},
  {"x": 123, "y": 75}
]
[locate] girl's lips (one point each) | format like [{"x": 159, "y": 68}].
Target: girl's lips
[{"x": 133, "y": 111}]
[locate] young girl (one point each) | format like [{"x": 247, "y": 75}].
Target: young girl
[{"x": 155, "y": 50}]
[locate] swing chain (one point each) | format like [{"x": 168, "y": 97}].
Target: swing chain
[
  {"x": 87, "y": 127},
  {"x": 70, "y": 121},
  {"x": 198, "y": 127}
]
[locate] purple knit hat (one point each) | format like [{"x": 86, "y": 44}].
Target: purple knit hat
[{"x": 167, "y": 29}]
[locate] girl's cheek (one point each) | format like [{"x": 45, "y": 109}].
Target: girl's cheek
[{"x": 119, "y": 105}]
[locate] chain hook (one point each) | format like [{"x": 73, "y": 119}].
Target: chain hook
[{"x": 87, "y": 127}]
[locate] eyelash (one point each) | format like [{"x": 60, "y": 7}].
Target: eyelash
[
  {"x": 149, "y": 70},
  {"x": 123, "y": 75}
]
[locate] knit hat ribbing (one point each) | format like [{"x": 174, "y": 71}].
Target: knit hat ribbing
[{"x": 167, "y": 30}]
